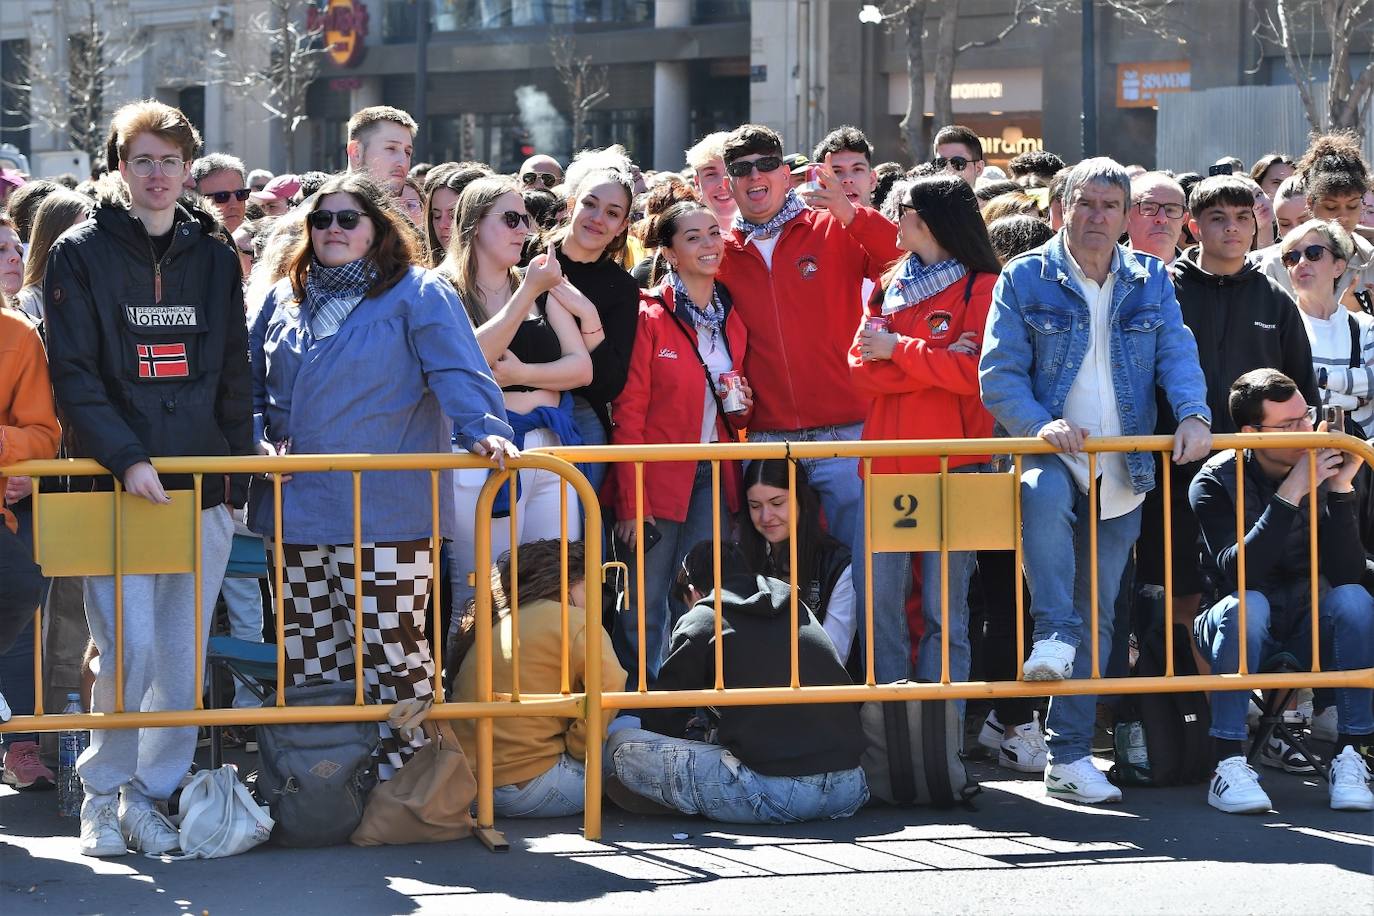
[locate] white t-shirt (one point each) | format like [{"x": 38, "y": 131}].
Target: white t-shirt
[
  {"x": 1346, "y": 387},
  {"x": 717, "y": 360},
  {"x": 766, "y": 247}
]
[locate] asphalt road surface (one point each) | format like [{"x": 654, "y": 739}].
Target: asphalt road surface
[{"x": 1162, "y": 851}]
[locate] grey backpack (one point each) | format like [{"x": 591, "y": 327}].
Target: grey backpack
[
  {"x": 314, "y": 778},
  {"x": 911, "y": 753}
]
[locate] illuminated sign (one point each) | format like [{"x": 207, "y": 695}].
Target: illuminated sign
[
  {"x": 976, "y": 91},
  {"x": 344, "y": 24},
  {"x": 1140, "y": 84}
]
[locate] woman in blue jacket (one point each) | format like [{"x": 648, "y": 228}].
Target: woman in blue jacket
[{"x": 366, "y": 353}]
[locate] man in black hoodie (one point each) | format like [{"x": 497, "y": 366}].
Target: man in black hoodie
[
  {"x": 1242, "y": 320},
  {"x": 773, "y": 764}
]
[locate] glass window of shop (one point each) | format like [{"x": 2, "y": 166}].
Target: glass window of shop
[
  {"x": 707, "y": 11},
  {"x": 500, "y": 139},
  {"x": 457, "y": 15}
]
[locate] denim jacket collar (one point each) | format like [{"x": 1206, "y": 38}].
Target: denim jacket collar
[{"x": 1057, "y": 267}]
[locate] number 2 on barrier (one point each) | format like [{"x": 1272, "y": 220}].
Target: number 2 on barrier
[{"x": 906, "y": 512}]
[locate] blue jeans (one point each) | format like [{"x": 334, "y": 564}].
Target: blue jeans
[
  {"x": 706, "y": 779},
  {"x": 661, "y": 610},
  {"x": 557, "y": 792},
  {"x": 1345, "y": 619},
  {"x": 593, "y": 433},
  {"x": 1054, "y": 536},
  {"x": 836, "y": 480}
]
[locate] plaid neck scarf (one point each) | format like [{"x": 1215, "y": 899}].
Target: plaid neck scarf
[
  {"x": 711, "y": 317},
  {"x": 332, "y": 293},
  {"x": 791, "y": 206},
  {"x": 916, "y": 282}
]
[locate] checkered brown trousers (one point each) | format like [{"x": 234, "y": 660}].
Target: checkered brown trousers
[{"x": 318, "y": 618}]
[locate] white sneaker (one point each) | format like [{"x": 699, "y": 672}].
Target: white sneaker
[
  {"x": 1281, "y": 755},
  {"x": 148, "y": 830},
  {"x": 992, "y": 733},
  {"x": 1050, "y": 660},
  {"x": 1350, "y": 782},
  {"x": 1235, "y": 788},
  {"x": 1252, "y": 715},
  {"x": 1025, "y": 749},
  {"x": 100, "y": 836},
  {"x": 1080, "y": 781},
  {"x": 1324, "y": 725},
  {"x": 4, "y": 709}
]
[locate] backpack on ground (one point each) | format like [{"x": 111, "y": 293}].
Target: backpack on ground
[
  {"x": 911, "y": 753},
  {"x": 315, "y": 778},
  {"x": 1162, "y": 738}
]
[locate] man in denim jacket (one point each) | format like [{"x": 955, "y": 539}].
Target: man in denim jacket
[{"x": 1080, "y": 333}]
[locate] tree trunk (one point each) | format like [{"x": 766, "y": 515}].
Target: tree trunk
[
  {"x": 945, "y": 53},
  {"x": 914, "y": 121}
]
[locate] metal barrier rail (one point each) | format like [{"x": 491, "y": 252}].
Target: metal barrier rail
[{"x": 592, "y": 703}]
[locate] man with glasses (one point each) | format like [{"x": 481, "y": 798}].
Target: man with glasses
[
  {"x": 148, "y": 350},
  {"x": 1158, "y": 211},
  {"x": 958, "y": 151},
  {"x": 1278, "y": 609},
  {"x": 795, "y": 265},
  {"x": 223, "y": 179},
  {"x": 540, "y": 171}
]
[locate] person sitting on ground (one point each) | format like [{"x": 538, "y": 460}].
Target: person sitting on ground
[
  {"x": 1278, "y": 596},
  {"x": 773, "y": 764},
  {"x": 538, "y": 762}
]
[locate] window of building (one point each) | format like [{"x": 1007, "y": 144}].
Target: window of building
[
  {"x": 14, "y": 103},
  {"x": 633, "y": 128},
  {"x": 458, "y": 15},
  {"x": 706, "y": 11}
]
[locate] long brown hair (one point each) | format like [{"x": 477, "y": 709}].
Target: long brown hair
[
  {"x": 599, "y": 175},
  {"x": 453, "y": 176},
  {"x": 393, "y": 247},
  {"x": 59, "y": 212},
  {"x": 460, "y": 266}
]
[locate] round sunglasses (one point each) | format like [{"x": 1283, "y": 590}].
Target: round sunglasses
[
  {"x": 323, "y": 219},
  {"x": 512, "y": 219},
  {"x": 222, "y": 197},
  {"x": 741, "y": 168},
  {"x": 1313, "y": 253}
]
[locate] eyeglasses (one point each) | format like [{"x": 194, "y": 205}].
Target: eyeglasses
[
  {"x": 1306, "y": 421},
  {"x": 547, "y": 179},
  {"x": 248, "y": 253},
  {"x": 1151, "y": 208},
  {"x": 1313, "y": 253},
  {"x": 222, "y": 197},
  {"x": 323, "y": 219},
  {"x": 144, "y": 166},
  {"x": 958, "y": 163},
  {"x": 741, "y": 168},
  {"x": 512, "y": 219}
]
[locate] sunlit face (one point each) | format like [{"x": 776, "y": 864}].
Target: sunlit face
[
  {"x": 1316, "y": 278},
  {"x": 411, "y": 204},
  {"x": 1096, "y": 217},
  {"x": 1157, "y": 234},
  {"x": 714, "y": 187},
  {"x": 1290, "y": 212},
  {"x": 759, "y": 195},
  {"x": 952, "y": 151},
  {"x": 228, "y": 184},
  {"x": 1283, "y": 416},
  {"x": 441, "y": 206},
  {"x": 1275, "y": 176},
  {"x": 158, "y": 191},
  {"x": 1342, "y": 208},
  {"x": 769, "y": 511},
  {"x": 335, "y": 245},
  {"x": 696, "y": 245},
  {"x": 855, "y": 175},
  {"x": 499, "y": 243},
  {"x": 1225, "y": 231},
  {"x": 11, "y": 261},
  {"x": 275, "y": 207},
  {"x": 384, "y": 153},
  {"x": 598, "y": 217},
  {"x": 911, "y": 229},
  {"x": 1367, "y": 210},
  {"x": 243, "y": 243}
]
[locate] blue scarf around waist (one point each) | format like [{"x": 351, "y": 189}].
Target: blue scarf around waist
[{"x": 559, "y": 420}]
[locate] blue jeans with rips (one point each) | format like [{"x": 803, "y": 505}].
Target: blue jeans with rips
[
  {"x": 557, "y": 792},
  {"x": 1055, "y": 518},
  {"x": 1345, "y": 622},
  {"x": 706, "y": 779}
]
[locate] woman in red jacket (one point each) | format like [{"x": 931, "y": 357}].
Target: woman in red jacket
[
  {"x": 922, "y": 373},
  {"x": 688, "y": 337}
]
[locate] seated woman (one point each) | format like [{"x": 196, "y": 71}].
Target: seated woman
[
  {"x": 823, "y": 571},
  {"x": 538, "y": 762}
]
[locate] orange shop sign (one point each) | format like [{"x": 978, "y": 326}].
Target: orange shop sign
[
  {"x": 344, "y": 27},
  {"x": 1140, "y": 84}
]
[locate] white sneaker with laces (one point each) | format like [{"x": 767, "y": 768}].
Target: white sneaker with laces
[
  {"x": 992, "y": 733},
  {"x": 1235, "y": 788},
  {"x": 1281, "y": 755},
  {"x": 1024, "y": 749},
  {"x": 1350, "y": 782},
  {"x": 1080, "y": 781},
  {"x": 1324, "y": 724},
  {"x": 148, "y": 830},
  {"x": 4, "y": 709},
  {"x": 1050, "y": 660},
  {"x": 100, "y": 836}
]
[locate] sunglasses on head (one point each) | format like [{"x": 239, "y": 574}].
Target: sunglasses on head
[
  {"x": 1313, "y": 253},
  {"x": 323, "y": 219},
  {"x": 222, "y": 197},
  {"x": 741, "y": 168},
  {"x": 547, "y": 179},
  {"x": 513, "y": 219},
  {"x": 958, "y": 163}
]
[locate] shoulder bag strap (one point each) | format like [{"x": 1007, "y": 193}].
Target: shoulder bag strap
[{"x": 705, "y": 370}]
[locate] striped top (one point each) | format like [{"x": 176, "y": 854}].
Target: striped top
[{"x": 1347, "y": 387}]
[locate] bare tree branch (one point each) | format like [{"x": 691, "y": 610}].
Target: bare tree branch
[{"x": 587, "y": 85}]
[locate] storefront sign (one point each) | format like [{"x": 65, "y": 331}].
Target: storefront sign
[
  {"x": 1140, "y": 84},
  {"x": 976, "y": 91},
  {"x": 344, "y": 23}
]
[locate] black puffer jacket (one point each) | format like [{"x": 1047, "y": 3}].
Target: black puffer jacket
[{"x": 149, "y": 356}]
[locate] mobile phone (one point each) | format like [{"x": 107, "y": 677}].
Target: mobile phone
[
  {"x": 1222, "y": 169},
  {"x": 1335, "y": 419},
  {"x": 651, "y": 538}
]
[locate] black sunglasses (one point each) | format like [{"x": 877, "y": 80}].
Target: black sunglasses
[
  {"x": 547, "y": 179},
  {"x": 741, "y": 168},
  {"x": 1313, "y": 253},
  {"x": 323, "y": 219},
  {"x": 222, "y": 197},
  {"x": 958, "y": 163},
  {"x": 513, "y": 219}
]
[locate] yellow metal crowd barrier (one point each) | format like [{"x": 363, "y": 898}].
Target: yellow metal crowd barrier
[{"x": 115, "y": 534}]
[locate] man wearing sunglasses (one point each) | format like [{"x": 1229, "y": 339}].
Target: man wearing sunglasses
[
  {"x": 958, "y": 151},
  {"x": 148, "y": 349},
  {"x": 540, "y": 171},
  {"x": 224, "y": 180},
  {"x": 795, "y": 266}
]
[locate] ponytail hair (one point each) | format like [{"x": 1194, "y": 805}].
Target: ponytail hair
[
  {"x": 661, "y": 230},
  {"x": 1334, "y": 165}
]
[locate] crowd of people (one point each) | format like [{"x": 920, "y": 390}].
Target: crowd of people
[{"x": 179, "y": 304}]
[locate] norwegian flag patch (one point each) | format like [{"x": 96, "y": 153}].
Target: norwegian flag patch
[{"x": 163, "y": 361}]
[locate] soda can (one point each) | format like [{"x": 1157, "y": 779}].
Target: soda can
[
  {"x": 813, "y": 180},
  {"x": 733, "y": 399},
  {"x": 876, "y": 323}
]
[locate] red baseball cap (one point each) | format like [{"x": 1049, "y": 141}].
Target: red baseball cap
[{"x": 283, "y": 187}]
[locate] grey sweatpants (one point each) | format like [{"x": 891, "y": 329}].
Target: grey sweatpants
[{"x": 159, "y": 669}]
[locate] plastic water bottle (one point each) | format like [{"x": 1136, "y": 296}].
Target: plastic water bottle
[{"x": 70, "y": 744}]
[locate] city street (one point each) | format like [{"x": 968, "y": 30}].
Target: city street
[{"x": 1163, "y": 851}]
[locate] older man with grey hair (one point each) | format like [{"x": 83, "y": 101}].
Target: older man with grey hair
[
  {"x": 224, "y": 181},
  {"x": 1158, "y": 211},
  {"x": 1079, "y": 334}
]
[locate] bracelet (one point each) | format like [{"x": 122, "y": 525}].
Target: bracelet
[{"x": 592, "y": 331}]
